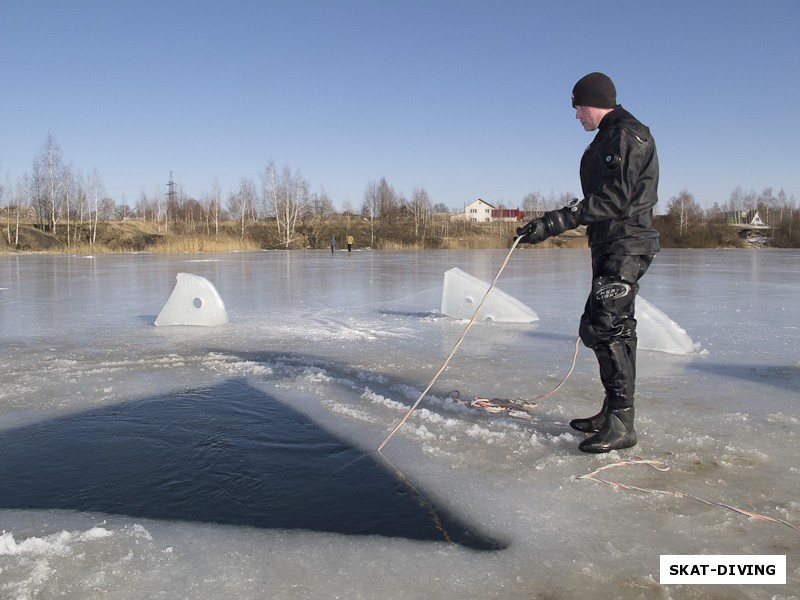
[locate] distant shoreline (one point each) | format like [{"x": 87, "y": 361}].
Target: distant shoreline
[{"x": 131, "y": 236}]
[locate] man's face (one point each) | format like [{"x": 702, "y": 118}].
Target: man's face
[{"x": 590, "y": 116}]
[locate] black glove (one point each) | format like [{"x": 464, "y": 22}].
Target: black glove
[
  {"x": 533, "y": 232},
  {"x": 554, "y": 222}
]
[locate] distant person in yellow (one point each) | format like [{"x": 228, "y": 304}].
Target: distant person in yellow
[{"x": 350, "y": 242}]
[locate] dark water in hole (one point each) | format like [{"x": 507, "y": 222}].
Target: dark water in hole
[{"x": 227, "y": 454}]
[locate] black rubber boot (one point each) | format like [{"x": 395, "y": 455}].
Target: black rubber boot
[
  {"x": 616, "y": 433},
  {"x": 592, "y": 424},
  {"x": 617, "y": 362}
]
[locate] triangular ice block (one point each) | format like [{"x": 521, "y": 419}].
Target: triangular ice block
[
  {"x": 656, "y": 331},
  {"x": 194, "y": 301},
  {"x": 463, "y": 293}
]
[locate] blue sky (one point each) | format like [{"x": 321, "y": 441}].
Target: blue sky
[{"x": 464, "y": 99}]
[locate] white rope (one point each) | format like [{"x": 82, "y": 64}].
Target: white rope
[
  {"x": 458, "y": 343},
  {"x": 660, "y": 466}
]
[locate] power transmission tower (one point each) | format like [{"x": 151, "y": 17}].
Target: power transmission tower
[{"x": 170, "y": 198}]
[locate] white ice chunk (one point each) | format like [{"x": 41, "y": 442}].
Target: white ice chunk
[
  {"x": 194, "y": 301},
  {"x": 656, "y": 331},
  {"x": 463, "y": 293}
]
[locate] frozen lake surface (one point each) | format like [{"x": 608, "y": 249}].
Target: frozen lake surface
[{"x": 237, "y": 461}]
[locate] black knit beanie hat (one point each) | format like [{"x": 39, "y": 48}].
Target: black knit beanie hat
[{"x": 595, "y": 89}]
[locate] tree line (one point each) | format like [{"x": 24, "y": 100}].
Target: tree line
[
  {"x": 687, "y": 224},
  {"x": 72, "y": 206}
]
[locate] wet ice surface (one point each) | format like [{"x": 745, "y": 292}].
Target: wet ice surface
[{"x": 346, "y": 343}]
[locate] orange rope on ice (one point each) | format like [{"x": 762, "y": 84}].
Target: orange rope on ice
[
  {"x": 458, "y": 343},
  {"x": 664, "y": 467},
  {"x": 519, "y": 408}
]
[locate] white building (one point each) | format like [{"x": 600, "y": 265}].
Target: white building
[
  {"x": 478, "y": 211},
  {"x": 481, "y": 211}
]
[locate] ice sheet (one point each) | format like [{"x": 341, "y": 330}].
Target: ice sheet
[
  {"x": 194, "y": 301},
  {"x": 656, "y": 331},
  {"x": 350, "y": 342},
  {"x": 463, "y": 293}
]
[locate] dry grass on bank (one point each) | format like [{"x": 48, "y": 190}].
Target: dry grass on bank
[
  {"x": 203, "y": 243},
  {"x": 120, "y": 237},
  {"x": 140, "y": 236},
  {"x": 167, "y": 245}
]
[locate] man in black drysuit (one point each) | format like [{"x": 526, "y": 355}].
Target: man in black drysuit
[{"x": 619, "y": 179}]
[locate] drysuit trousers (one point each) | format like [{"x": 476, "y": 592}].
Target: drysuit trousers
[{"x": 608, "y": 325}]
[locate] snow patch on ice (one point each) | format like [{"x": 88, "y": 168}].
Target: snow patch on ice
[
  {"x": 43, "y": 561},
  {"x": 490, "y": 437},
  {"x": 382, "y": 400},
  {"x": 57, "y": 543},
  {"x": 374, "y": 377},
  {"x": 233, "y": 365}
]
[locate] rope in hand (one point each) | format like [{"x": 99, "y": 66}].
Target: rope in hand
[
  {"x": 458, "y": 343},
  {"x": 664, "y": 467}
]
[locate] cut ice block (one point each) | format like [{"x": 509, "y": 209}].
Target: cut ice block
[
  {"x": 194, "y": 301},
  {"x": 463, "y": 293},
  {"x": 656, "y": 331}
]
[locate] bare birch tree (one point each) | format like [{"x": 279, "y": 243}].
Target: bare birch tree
[
  {"x": 16, "y": 193},
  {"x": 67, "y": 195},
  {"x": 80, "y": 205},
  {"x": 533, "y": 204},
  {"x": 52, "y": 170},
  {"x": 142, "y": 207},
  {"x": 95, "y": 187},
  {"x": 288, "y": 195},
  {"x": 370, "y": 208},
  {"x": 19, "y": 196},
  {"x": 233, "y": 203},
  {"x": 5, "y": 192},
  {"x": 214, "y": 203},
  {"x": 36, "y": 185},
  {"x": 246, "y": 203},
  {"x": 421, "y": 210},
  {"x": 317, "y": 218},
  {"x": 684, "y": 211}
]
